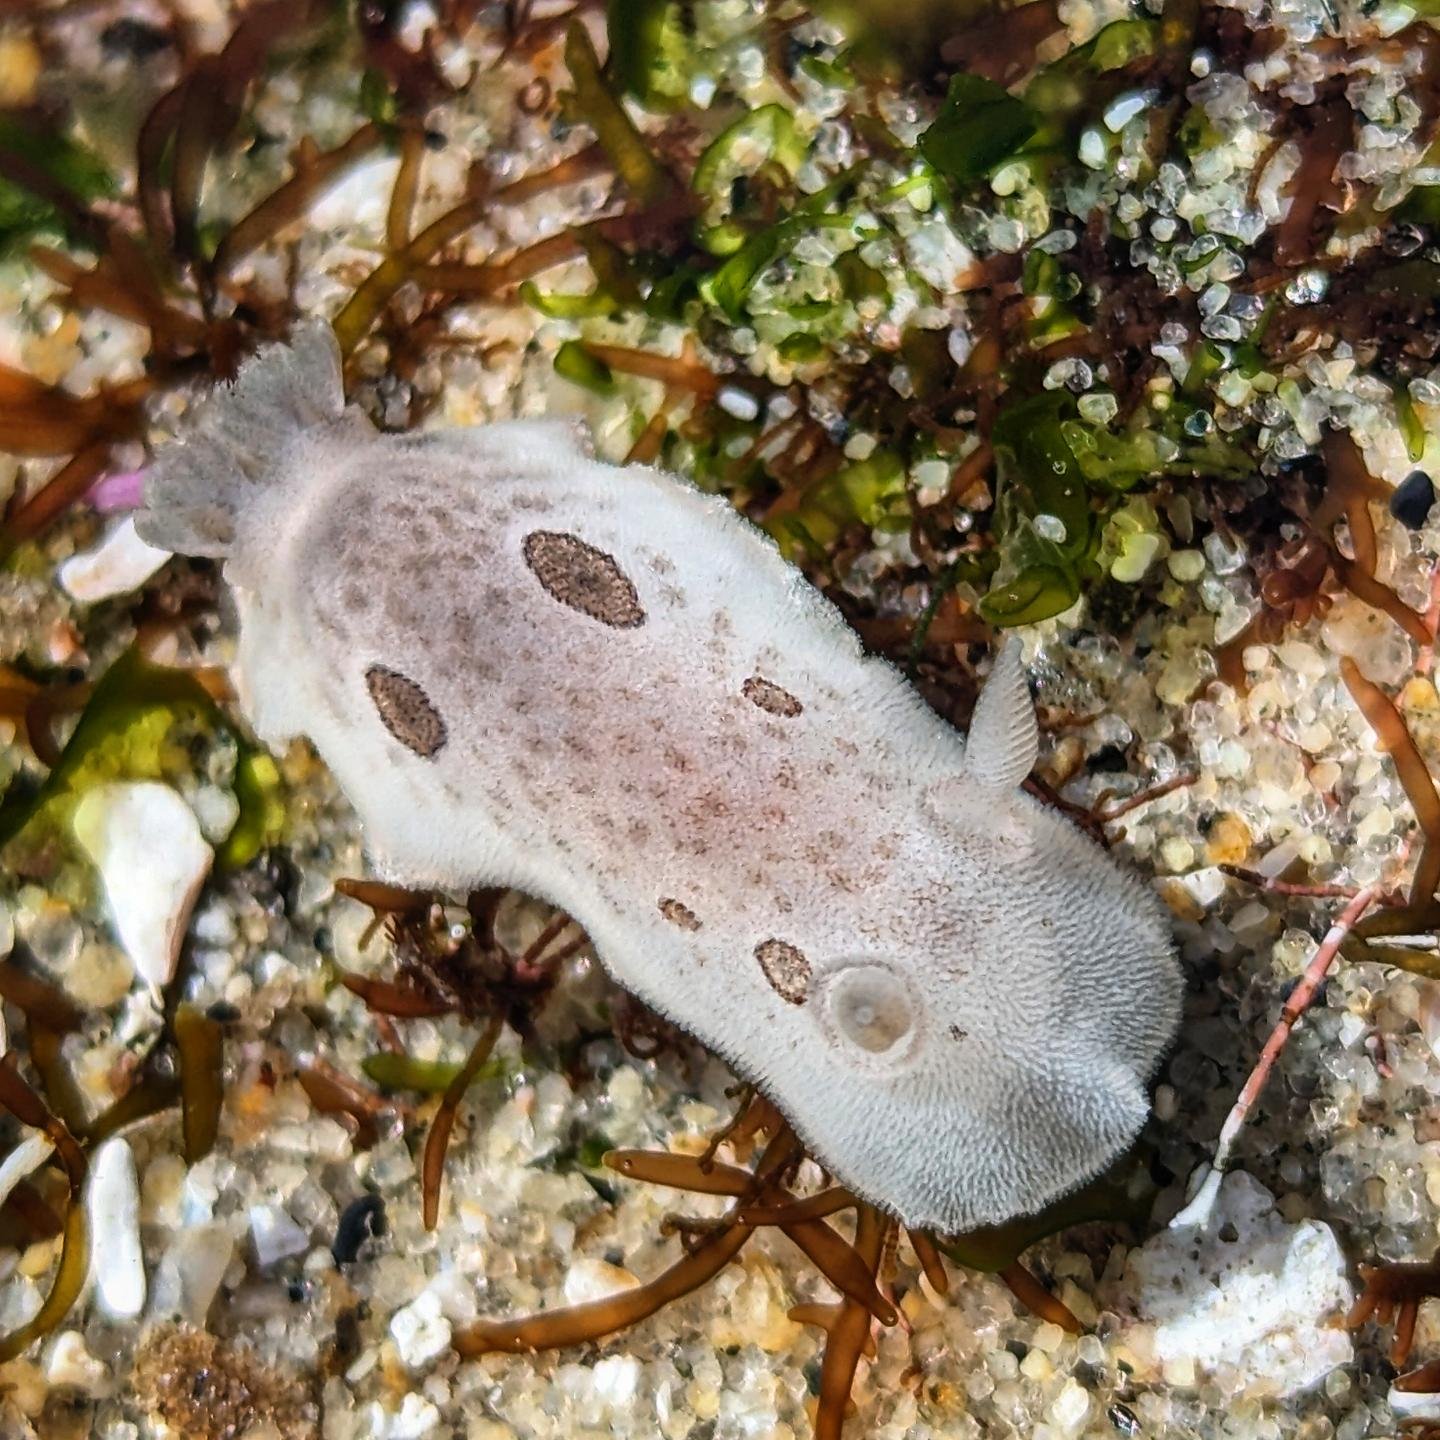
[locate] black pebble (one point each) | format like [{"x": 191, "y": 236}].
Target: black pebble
[
  {"x": 1122, "y": 1417},
  {"x": 1413, "y": 497},
  {"x": 130, "y": 39},
  {"x": 362, "y": 1217},
  {"x": 1107, "y": 760}
]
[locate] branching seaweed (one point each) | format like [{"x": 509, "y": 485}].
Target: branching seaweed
[
  {"x": 1392, "y": 1295},
  {"x": 762, "y": 1198},
  {"x": 474, "y": 977},
  {"x": 1396, "y": 740}
]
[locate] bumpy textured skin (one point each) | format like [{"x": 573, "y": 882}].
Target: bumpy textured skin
[{"x": 605, "y": 688}]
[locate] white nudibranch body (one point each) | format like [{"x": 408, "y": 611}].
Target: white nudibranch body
[{"x": 605, "y": 688}]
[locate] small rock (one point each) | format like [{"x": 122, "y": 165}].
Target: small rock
[
  {"x": 216, "y": 811},
  {"x": 1037, "y": 1365},
  {"x": 152, "y": 858},
  {"x": 456, "y": 1294},
  {"x": 416, "y": 1419},
  {"x": 1179, "y": 1372},
  {"x": 1137, "y": 553},
  {"x": 616, "y": 1379},
  {"x": 1048, "y": 1337},
  {"x": 162, "y": 1192},
  {"x": 1413, "y": 499},
  {"x": 189, "y": 1274},
  {"x": 117, "y": 1264},
  {"x": 69, "y": 1365},
  {"x": 1070, "y": 1409},
  {"x": 588, "y": 1280},
  {"x": 1230, "y": 1285},
  {"x": 1228, "y": 841},
  {"x": 1186, "y": 565},
  {"x": 421, "y": 1333},
  {"x": 275, "y": 1235},
  {"x": 1353, "y": 1029},
  {"x": 102, "y": 975},
  {"x": 120, "y": 563}
]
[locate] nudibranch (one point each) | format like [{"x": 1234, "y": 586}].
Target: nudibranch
[{"x": 604, "y": 687}]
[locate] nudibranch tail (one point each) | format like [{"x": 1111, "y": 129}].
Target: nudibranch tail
[{"x": 200, "y": 492}]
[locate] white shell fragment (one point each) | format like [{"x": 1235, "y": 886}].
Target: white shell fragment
[
  {"x": 605, "y": 688},
  {"x": 1413, "y": 1404},
  {"x": 120, "y": 563},
  {"x": 117, "y": 1264},
  {"x": 146, "y": 843},
  {"x": 1239, "y": 1291},
  {"x": 24, "y": 1160}
]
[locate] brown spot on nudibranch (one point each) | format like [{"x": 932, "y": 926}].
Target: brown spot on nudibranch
[
  {"x": 786, "y": 968},
  {"x": 584, "y": 578},
  {"x": 770, "y": 697},
  {"x": 679, "y": 914},
  {"x": 406, "y": 711}
]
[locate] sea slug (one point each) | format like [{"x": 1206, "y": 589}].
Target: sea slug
[{"x": 606, "y": 688}]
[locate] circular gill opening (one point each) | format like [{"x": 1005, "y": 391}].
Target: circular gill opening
[{"x": 872, "y": 1011}]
